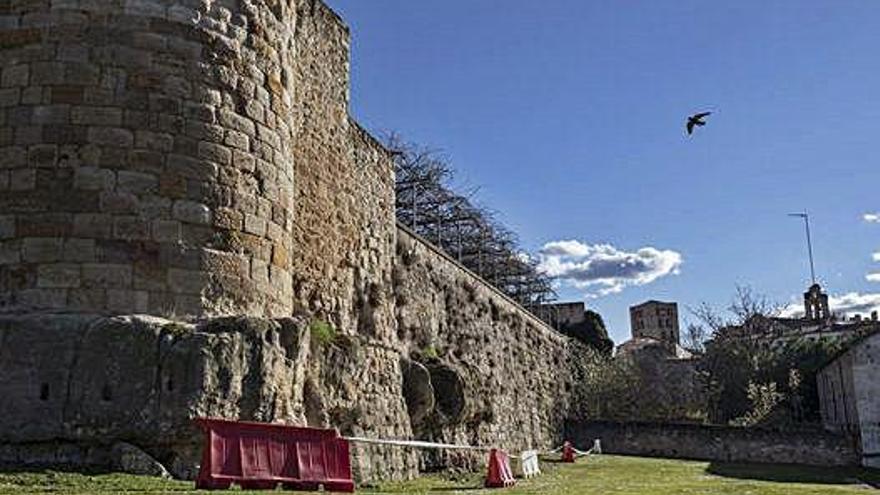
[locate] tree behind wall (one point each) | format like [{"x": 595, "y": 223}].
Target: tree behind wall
[{"x": 465, "y": 231}]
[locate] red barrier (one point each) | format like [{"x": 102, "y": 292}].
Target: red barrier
[
  {"x": 567, "y": 452},
  {"x": 499, "y": 474},
  {"x": 259, "y": 456}
]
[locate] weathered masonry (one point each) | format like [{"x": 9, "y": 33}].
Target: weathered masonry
[{"x": 192, "y": 224}]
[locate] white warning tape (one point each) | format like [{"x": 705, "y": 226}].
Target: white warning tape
[{"x": 416, "y": 444}]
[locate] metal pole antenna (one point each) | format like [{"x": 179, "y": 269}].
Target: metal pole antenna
[{"x": 806, "y": 218}]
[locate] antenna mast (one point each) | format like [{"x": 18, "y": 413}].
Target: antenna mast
[{"x": 806, "y": 218}]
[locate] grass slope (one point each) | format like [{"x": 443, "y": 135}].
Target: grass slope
[{"x": 611, "y": 475}]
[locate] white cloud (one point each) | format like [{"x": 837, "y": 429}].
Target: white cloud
[
  {"x": 604, "y": 269},
  {"x": 873, "y": 277},
  {"x": 876, "y": 256},
  {"x": 871, "y": 217},
  {"x": 848, "y": 304}
]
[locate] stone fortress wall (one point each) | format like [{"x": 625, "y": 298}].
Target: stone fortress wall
[
  {"x": 147, "y": 156},
  {"x": 196, "y": 160}
]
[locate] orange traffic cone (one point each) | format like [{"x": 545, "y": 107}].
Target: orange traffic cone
[
  {"x": 499, "y": 473},
  {"x": 567, "y": 452}
]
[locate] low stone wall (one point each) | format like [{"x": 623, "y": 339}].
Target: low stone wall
[{"x": 717, "y": 443}]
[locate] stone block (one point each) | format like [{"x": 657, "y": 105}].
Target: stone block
[
  {"x": 43, "y": 156},
  {"x": 153, "y": 207},
  {"x": 111, "y": 136},
  {"x": 43, "y": 298},
  {"x": 230, "y": 119},
  {"x": 10, "y": 252},
  {"x": 202, "y": 130},
  {"x": 103, "y": 97},
  {"x": 87, "y": 299},
  {"x": 79, "y": 250},
  {"x": 71, "y": 95},
  {"x": 50, "y": 114},
  {"x": 191, "y": 168},
  {"x": 127, "y": 301},
  {"x": 94, "y": 179},
  {"x": 119, "y": 202},
  {"x": 7, "y": 226},
  {"x": 136, "y": 182},
  {"x": 156, "y": 141},
  {"x": 228, "y": 218},
  {"x": 244, "y": 161},
  {"x": 47, "y": 73},
  {"x": 166, "y": 231},
  {"x": 215, "y": 152},
  {"x": 22, "y": 179},
  {"x": 44, "y": 225},
  {"x": 15, "y": 75},
  {"x": 106, "y": 275},
  {"x": 32, "y": 96},
  {"x": 13, "y": 157},
  {"x": 58, "y": 276},
  {"x": 42, "y": 249},
  {"x": 191, "y": 212},
  {"x": 147, "y": 161},
  {"x": 236, "y": 139},
  {"x": 10, "y": 97},
  {"x": 93, "y": 225},
  {"x": 280, "y": 256},
  {"x": 172, "y": 186},
  {"x": 187, "y": 281},
  {"x": 99, "y": 116},
  {"x": 131, "y": 228},
  {"x": 223, "y": 263},
  {"x": 148, "y": 8},
  {"x": 254, "y": 224},
  {"x": 259, "y": 271},
  {"x": 4, "y": 180},
  {"x": 85, "y": 74},
  {"x": 64, "y": 134}
]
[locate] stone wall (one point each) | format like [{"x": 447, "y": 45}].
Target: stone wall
[
  {"x": 717, "y": 443},
  {"x": 849, "y": 396},
  {"x": 194, "y": 160},
  {"x": 499, "y": 375},
  {"x": 146, "y": 151}
]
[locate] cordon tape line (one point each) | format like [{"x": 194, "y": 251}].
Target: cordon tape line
[{"x": 416, "y": 444}]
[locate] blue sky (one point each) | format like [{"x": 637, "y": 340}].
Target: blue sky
[{"x": 569, "y": 115}]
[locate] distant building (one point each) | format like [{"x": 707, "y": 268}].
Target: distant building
[
  {"x": 559, "y": 315},
  {"x": 818, "y": 322},
  {"x": 849, "y": 395},
  {"x": 655, "y": 320},
  {"x": 576, "y": 321}
]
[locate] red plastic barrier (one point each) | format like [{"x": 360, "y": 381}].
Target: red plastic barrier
[
  {"x": 499, "y": 473},
  {"x": 259, "y": 456},
  {"x": 567, "y": 452}
]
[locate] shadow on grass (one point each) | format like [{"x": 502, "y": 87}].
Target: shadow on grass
[
  {"x": 786, "y": 473},
  {"x": 55, "y": 468}
]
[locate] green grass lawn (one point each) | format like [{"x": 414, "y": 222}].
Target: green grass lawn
[{"x": 598, "y": 475}]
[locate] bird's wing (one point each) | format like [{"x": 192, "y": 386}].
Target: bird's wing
[
  {"x": 701, "y": 115},
  {"x": 690, "y": 126}
]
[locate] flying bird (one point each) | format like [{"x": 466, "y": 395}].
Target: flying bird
[{"x": 696, "y": 119}]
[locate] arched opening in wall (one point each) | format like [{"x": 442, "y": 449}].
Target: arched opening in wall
[
  {"x": 313, "y": 406},
  {"x": 449, "y": 400},
  {"x": 418, "y": 393}
]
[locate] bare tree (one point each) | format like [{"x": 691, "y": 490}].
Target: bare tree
[{"x": 454, "y": 222}]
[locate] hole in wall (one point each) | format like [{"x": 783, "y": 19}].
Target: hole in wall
[
  {"x": 449, "y": 400},
  {"x": 44, "y": 391},
  {"x": 418, "y": 393},
  {"x": 106, "y": 393}
]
